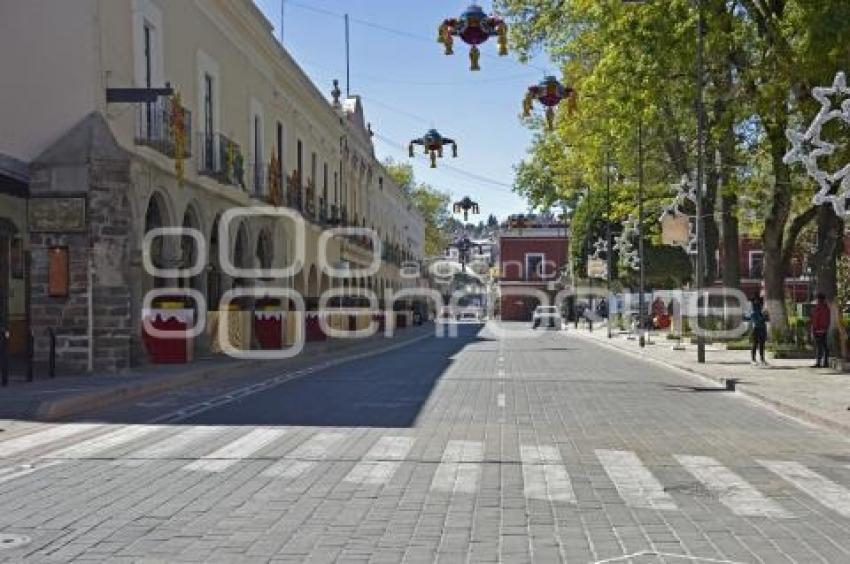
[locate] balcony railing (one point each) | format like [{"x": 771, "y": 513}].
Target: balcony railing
[
  {"x": 221, "y": 158},
  {"x": 258, "y": 177},
  {"x": 157, "y": 124}
]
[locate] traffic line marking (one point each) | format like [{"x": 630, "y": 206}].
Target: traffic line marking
[
  {"x": 459, "y": 471},
  {"x": 21, "y": 444},
  {"x": 500, "y": 400},
  {"x": 822, "y": 489},
  {"x": 96, "y": 445},
  {"x": 171, "y": 446},
  {"x": 544, "y": 476},
  {"x": 305, "y": 456},
  {"x": 732, "y": 490},
  {"x": 233, "y": 452},
  {"x": 634, "y": 482},
  {"x": 381, "y": 462}
]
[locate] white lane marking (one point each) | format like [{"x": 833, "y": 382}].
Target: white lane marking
[
  {"x": 94, "y": 446},
  {"x": 634, "y": 482},
  {"x": 733, "y": 491},
  {"x": 500, "y": 400},
  {"x": 39, "y": 438},
  {"x": 305, "y": 456},
  {"x": 233, "y": 452},
  {"x": 822, "y": 489},
  {"x": 22, "y": 470},
  {"x": 381, "y": 462},
  {"x": 459, "y": 471},
  {"x": 170, "y": 446},
  {"x": 544, "y": 475}
]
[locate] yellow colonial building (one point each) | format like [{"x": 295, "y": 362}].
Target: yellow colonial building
[{"x": 120, "y": 117}]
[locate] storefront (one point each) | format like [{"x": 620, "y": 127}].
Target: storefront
[{"x": 13, "y": 256}]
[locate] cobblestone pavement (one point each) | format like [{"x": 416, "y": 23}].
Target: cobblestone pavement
[{"x": 491, "y": 447}]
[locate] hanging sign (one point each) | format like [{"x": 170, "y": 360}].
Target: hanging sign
[
  {"x": 675, "y": 230},
  {"x": 597, "y": 268}
]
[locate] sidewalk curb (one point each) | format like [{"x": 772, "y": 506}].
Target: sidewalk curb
[
  {"x": 782, "y": 407},
  {"x": 52, "y": 410}
]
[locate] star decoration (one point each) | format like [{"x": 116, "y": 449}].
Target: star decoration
[
  {"x": 807, "y": 147},
  {"x": 600, "y": 247},
  {"x": 686, "y": 191},
  {"x": 628, "y": 254}
]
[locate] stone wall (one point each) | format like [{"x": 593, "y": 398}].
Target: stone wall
[{"x": 86, "y": 162}]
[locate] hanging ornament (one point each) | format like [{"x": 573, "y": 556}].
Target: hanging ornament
[
  {"x": 808, "y": 147},
  {"x": 275, "y": 188},
  {"x": 685, "y": 191},
  {"x": 624, "y": 246},
  {"x": 600, "y": 247},
  {"x": 466, "y": 206},
  {"x": 178, "y": 134},
  {"x": 474, "y": 27},
  {"x": 433, "y": 143},
  {"x": 549, "y": 93}
]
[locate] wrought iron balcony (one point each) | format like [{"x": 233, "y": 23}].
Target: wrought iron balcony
[
  {"x": 158, "y": 126},
  {"x": 221, "y": 158},
  {"x": 258, "y": 176}
]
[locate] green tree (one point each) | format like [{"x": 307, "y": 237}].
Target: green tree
[
  {"x": 633, "y": 67},
  {"x": 431, "y": 203}
]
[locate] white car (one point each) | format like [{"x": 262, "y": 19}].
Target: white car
[{"x": 546, "y": 316}]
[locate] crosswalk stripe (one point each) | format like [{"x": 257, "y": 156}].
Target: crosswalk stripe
[
  {"x": 634, "y": 482},
  {"x": 18, "y": 445},
  {"x": 822, "y": 489},
  {"x": 96, "y": 445},
  {"x": 380, "y": 463},
  {"x": 732, "y": 490},
  {"x": 171, "y": 446},
  {"x": 305, "y": 456},
  {"x": 544, "y": 475},
  {"x": 460, "y": 469},
  {"x": 233, "y": 452}
]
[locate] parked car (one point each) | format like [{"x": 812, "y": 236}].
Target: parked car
[{"x": 546, "y": 316}]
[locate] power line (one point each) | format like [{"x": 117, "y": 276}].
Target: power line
[
  {"x": 458, "y": 171},
  {"x": 399, "y": 32}
]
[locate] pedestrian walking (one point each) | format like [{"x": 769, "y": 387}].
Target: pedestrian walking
[
  {"x": 820, "y": 331},
  {"x": 758, "y": 325}
]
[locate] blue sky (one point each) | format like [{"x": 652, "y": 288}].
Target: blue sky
[{"x": 408, "y": 85}]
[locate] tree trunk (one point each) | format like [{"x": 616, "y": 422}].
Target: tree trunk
[
  {"x": 774, "y": 229},
  {"x": 830, "y": 247}
]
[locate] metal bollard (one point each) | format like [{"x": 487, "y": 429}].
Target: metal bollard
[
  {"x": 730, "y": 384},
  {"x": 30, "y": 355},
  {"x": 4, "y": 356},
  {"x": 52, "y": 358}
]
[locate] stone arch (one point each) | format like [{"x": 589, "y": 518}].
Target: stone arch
[
  {"x": 215, "y": 276},
  {"x": 189, "y": 247},
  {"x": 241, "y": 255},
  {"x": 156, "y": 216}
]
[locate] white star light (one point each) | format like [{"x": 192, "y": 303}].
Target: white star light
[
  {"x": 624, "y": 246},
  {"x": 600, "y": 247},
  {"x": 685, "y": 191},
  {"x": 808, "y": 147}
]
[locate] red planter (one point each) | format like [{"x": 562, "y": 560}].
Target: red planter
[
  {"x": 313, "y": 330},
  {"x": 172, "y": 350},
  {"x": 268, "y": 327}
]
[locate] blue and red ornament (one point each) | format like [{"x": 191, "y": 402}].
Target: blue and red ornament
[
  {"x": 549, "y": 93},
  {"x": 474, "y": 27},
  {"x": 433, "y": 144}
]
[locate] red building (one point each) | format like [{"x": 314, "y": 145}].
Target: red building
[
  {"x": 751, "y": 263},
  {"x": 532, "y": 254}
]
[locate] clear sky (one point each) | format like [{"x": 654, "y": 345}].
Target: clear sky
[{"x": 408, "y": 85}]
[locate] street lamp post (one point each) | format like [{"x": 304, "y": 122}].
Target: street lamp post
[
  {"x": 608, "y": 244},
  {"x": 641, "y": 285},
  {"x": 700, "y": 109},
  {"x": 700, "y": 173}
]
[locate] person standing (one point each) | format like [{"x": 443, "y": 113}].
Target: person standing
[
  {"x": 758, "y": 324},
  {"x": 820, "y": 331}
]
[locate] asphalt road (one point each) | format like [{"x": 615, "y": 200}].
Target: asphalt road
[{"x": 489, "y": 447}]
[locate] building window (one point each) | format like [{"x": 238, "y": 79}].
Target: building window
[
  {"x": 280, "y": 148},
  {"x": 300, "y": 164},
  {"x": 756, "y": 264},
  {"x": 258, "y": 154},
  {"x": 533, "y": 266},
  {"x": 209, "y": 125}
]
